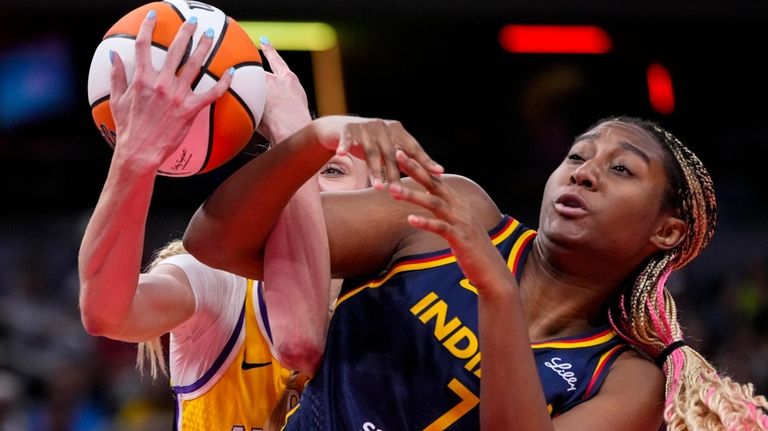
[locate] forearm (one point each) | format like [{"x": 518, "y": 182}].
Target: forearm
[
  {"x": 297, "y": 277},
  {"x": 230, "y": 230},
  {"x": 511, "y": 396},
  {"x": 110, "y": 254}
]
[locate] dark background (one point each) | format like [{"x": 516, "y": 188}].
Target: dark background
[{"x": 502, "y": 119}]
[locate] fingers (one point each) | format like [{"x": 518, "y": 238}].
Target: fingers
[
  {"x": 417, "y": 172},
  {"x": 276, "y": 62},
  {"x": 179, "y": 47},
  {"x": 144, "y": 42},
  {"x": 376, "y": 142},
  {"x": 191, "y": 68},
  {"x": 118, "y": 82},
  {"x": 430, "y": 202},
  {"x": 218, "y": 90},
  {"x": 438, "y": 198},
  {"x": 429, "y": 224},
  {"x": 413, "y": 149}
]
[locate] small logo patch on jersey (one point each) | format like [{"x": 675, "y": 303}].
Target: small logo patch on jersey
[
  {"x": 249, "y": 365},
  {"x": 562, "y": 368}
]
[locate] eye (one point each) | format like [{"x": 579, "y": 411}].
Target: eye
[
  {"x": 621, "y": 169},
  {"x": 333, "y": 170},
  {"x": 575, "y": 157}
]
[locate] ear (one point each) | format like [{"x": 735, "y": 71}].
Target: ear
[{"x": 670, "y": 233}]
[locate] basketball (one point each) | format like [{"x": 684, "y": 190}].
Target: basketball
[{"x": 221, "y": 130}]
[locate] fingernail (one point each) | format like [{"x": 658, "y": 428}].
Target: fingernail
[
  {"x": 394, "y": 188},
  {"x": 209, "y": 33},
  {"x": 192, "y": 20},
  {"x": 231, "y": 71},
  {"x": 264, "y": 40},
  {"x": 112, "y": 56},
  {"x": 151, "y": 14}
]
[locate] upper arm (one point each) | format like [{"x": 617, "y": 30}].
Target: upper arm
[
  {"x": 163, "y": 300},
  {"x": 631, "y": 399},
  {"x": 367, "y": 229}
]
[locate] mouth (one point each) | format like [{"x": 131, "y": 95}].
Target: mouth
[{"x": 571, "y": 205}]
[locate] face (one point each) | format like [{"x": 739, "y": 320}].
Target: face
[
  {"x": 343, "y": 173},
  {"x": 606, "y": 195}
]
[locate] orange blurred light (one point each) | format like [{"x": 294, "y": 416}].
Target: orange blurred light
[
  {"x": 555, "y": 39},
  {"x": 660, "y": 91}
]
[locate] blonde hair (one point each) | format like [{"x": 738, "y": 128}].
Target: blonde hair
[
  {"x": 644, "y": 312},
  {"x": 288, "y": 400},
  {"x": 151, "y": 351}
]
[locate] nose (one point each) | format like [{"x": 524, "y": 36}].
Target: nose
[{"x": 585, "y": 175}]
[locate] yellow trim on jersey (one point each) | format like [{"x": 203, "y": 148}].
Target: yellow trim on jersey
[
  {"x": 513, "y": 255},
  {"x": 600, "y": 364},
  {"x": 573, "y": 344},
  {"x": 424, "y": 264}
]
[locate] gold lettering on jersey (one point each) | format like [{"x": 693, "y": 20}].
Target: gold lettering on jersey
[
  {"x": 462, "y": 336},
  {"x": 430, "y": 298},
  {"x": 438, "y": 311},
  {"x": 462, "y": 343},
  {"x": 472, "y": 363}
]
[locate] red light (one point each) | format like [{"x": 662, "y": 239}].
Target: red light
[
  {"x": 555, "y": 39},
  {"x": 660, "y": 91}
]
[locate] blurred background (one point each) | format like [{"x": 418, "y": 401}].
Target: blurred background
[{"x": 487, "y": 98}]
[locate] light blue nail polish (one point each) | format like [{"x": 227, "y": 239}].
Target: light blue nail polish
[
  {"x": 192, "y": 20},
  {"x": 231, "y": 71},
  {"x": 151, "y": 14},
  {"x": 209, "y": 33},
  {"x": 112, "y": 56},
  {"x": 264, "y": 40}
]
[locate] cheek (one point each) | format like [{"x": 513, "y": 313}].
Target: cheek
[{"x": 338, "y": 184}]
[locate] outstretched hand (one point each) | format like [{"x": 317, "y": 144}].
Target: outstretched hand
[
  {"x": 155, "y": 111},
  {"x": 454, "y": 220},
  {"x": 375, "y": 141},
  {"x": 286, "y": 109}
]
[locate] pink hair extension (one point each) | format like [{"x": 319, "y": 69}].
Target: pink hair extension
[
  {"x": 678, "y": 361},
  {"x": 666, "y": 329}
]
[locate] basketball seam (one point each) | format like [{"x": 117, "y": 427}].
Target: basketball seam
[
  {"x": 99, "y": 101},
  {"x": 133, "y": 37},
  {"x": 211, "y": 126},
  {"x": 212, "y": 54},
  {"x": 175, "y": 9}
]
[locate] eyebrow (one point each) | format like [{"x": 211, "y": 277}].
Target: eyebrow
[
  {"x": 629, "y": 147},
  {"x": 624, "y": 145}
]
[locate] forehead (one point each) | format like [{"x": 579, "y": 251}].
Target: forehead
[{"x": 620, "y": 133}]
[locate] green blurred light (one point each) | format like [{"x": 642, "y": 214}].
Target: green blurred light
[{"x": 292, "y": 36}]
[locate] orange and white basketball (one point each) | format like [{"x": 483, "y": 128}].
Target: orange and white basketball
[{"x": 221, "y": 130}]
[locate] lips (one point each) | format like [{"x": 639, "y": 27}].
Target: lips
[{"x": 571, "y": 205}]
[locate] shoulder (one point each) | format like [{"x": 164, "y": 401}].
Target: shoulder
[
  {"x": 635, "y": 380},
  {"x": 477, "y": 198},
  {"x": 632, "y": 397}
]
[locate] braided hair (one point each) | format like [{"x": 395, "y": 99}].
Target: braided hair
[{"x": 644, "y": 312}]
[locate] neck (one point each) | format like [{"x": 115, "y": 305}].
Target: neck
[{"x": 562, "y": 300}]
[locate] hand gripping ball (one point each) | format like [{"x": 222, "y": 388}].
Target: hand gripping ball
[{"x": 221, "y": 130}]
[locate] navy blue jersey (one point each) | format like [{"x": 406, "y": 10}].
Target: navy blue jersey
[
  {"x": 402, "y": 350},
  {"x": 572, "y": 369}
]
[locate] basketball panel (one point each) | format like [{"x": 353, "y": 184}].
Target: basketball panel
[
  {"x": 236, "y": 47},
  {"x": 231, "y": 131},
  {"x": 249, "y": 85},
  {"x": 100, "y": 71},
  {"x": 168, "y": 23},
  {"x": 193, "y": 151},
  {"x": 102, "y": 116}
]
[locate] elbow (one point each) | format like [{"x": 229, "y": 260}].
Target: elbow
[
  {"x": 301, "y": 355},
  {"x": 95, "y": 324},
  {"x": 204, "y": 250},
  {"x": 98, "y": 320}
]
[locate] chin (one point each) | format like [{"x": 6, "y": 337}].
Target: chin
[{"x": 564, "y": 234}]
